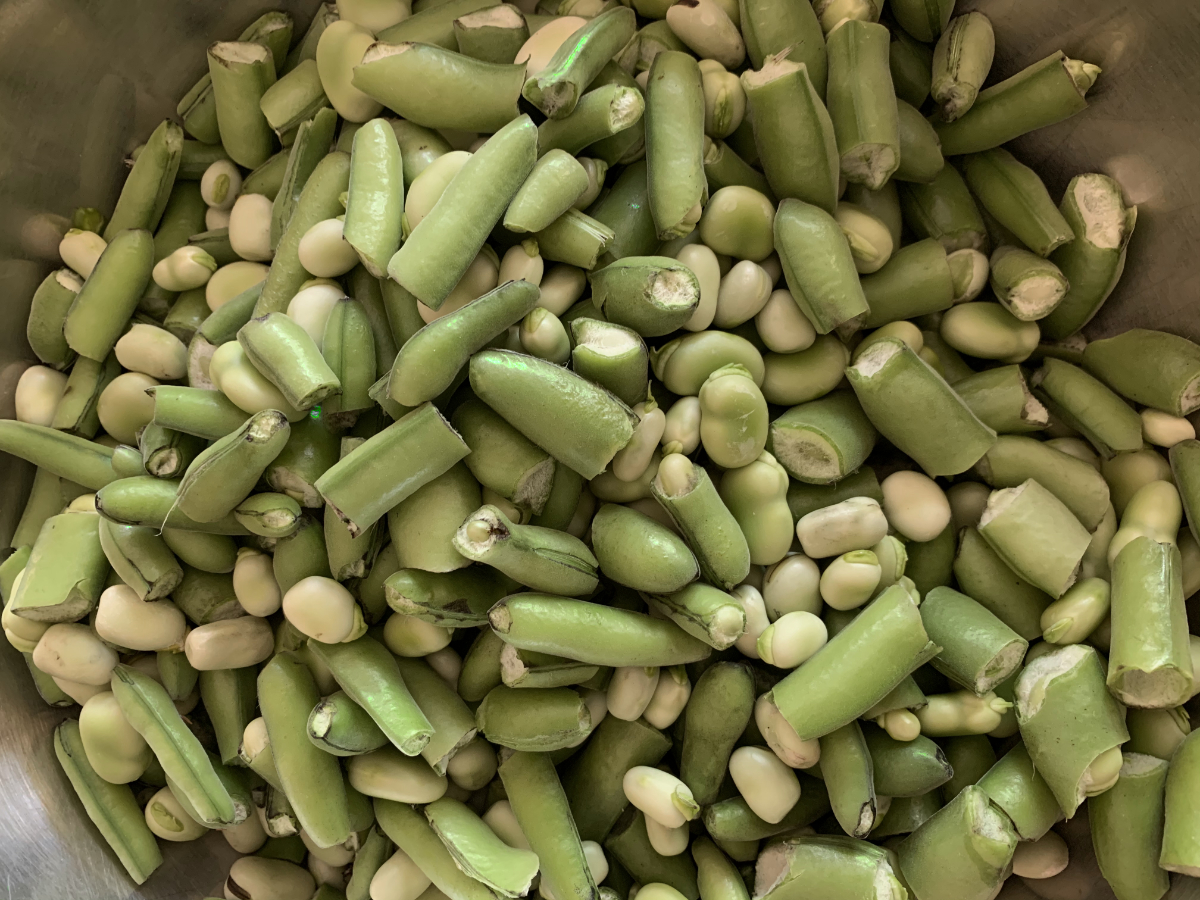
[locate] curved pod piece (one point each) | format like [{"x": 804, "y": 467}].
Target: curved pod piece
[
  {"x": 818, "y": 266},
  {"x": 675, "y": 143}
]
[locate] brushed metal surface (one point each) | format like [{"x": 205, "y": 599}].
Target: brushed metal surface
[{"x": 84, "y": 81}]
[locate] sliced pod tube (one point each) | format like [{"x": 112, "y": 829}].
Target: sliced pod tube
[
  {"x": 1127, "y": 829},
  {"x": 151, "y": 502},
  {"x": 539, "y": 558},
  {"x": 348, "y": 348},
  {"x": 413, "y": 834},
  {"x": 572, "y": 628},
  {"x": 422, "y": 437},
  {"x": 557, "y": 181},
  {"x": 223, "y": 475},
  {"x": 147, "y": 187},
  {"x": 341, "y": 727},
  {"x": 979, "y": 651},
  {"x": 1103, "y": 223},
  {"x": 455, "y": 599},
  {"x": 964, "y": 850},
  {"x": 1071, "y": 725},
  {"x": 504, "y": 460},
  {"x": 452, "y": 720},
  {"x": 1001, "y": 399},
  {"x": 1015, "y": 786},
  {"x": 889, "y": 631},
  {"x": 437, "y": 253},
  {"x": 1088, "y": 406},
  {"x": 691, "y": 499},
  {"x": 629, "y": 844},
  {"x": 241, "y": 73},
  {"x": 770, "y": 28},
  {"x": 65, "y": 455},
  {"x": 289, "y": 358},
  {"x": 166, "y": 453},
  {"x": 732, "y": 820},
  {"x": 428, "y": 362},
  {"x": 962, "y": 60},
  {"x": 141, "y": 559},
  {"x": 705, "y": 612},
  {"x": 311, "y": 778},
  {"x": 611, "y": 355},
  {"x": 309, "y": 453},
  {"x": 575, "y": 239},
  {"x": 579, "y": 424},
  {"x": 293, "y": 99},
  {"x": 847, "y": 769},
  {"x": 578, "y": 60},
  {"x": 833, "y": 866},
  {"x": 1026, "y": 285},
  {"x": 151, "y": 712},
  {"x": 920, "y": 152},
  {"x": 1046, "y": 92},
  {"x": 824, "y": 440},
  {"x": 1154, "y": 368},
  {"x": 638, "y": 552},
  {"x": 494, "y": 34},
  {"x": 1013, "y": 459},
  {"x": 793, "y": 131},
  {"x": 528, "y": 668},
  {"x": 603, "y": 115},
  {"x": 478, "y": 851},
  {"x": 422, "y": 528},
  {"x": 1036, "y": 534},
  {"x": 110, "y": 295},
  {"x": 1180, "y": 848},
  {"x": 818, "y": 266},
  {"x": 1014, "y": 194},
  {"x": 111, "y": 807},
  {"x": 202, "y": 413},
  {"x": 369, "y": 675},
  {"x": 375, "y": 196},
  {"x": 861, "y": 102},
  {"x": 538, "y": 720},
  {"x": 66, "y": 572},
  {"x": 944, "y": 210},
  {"x": 675, "y": 143},
  {"x": 653, "y": 295},
  {"x": 906, "y": 768},
  {"x": 230, "y": 697},
  {"x": 915, "y": 281},
  {"x": 1149, "y": 663},
  {"x": 47, "y": 311},
  {"x": 902, "y": 395}
]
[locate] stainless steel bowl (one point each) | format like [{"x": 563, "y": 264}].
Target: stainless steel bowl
[{"x": 84, "y": 81}]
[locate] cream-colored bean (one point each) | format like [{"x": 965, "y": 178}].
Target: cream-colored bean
[
  {"x": 596, "y": 170},
  {"x": 247, "y": 836},
  {"x": 113, "y": 748},
  {"x": 230, "y": 644},
  {"x": 854, "y": 524},
  {"x": 522, "y": 263},
  {"x": 561, "y": 287},
  {"x": 782, "y": 326},
  {"x": 850, "y": 580},
  {"x": 893, "y": 559},
  {"x": 503, "y": 821},
  {"x": 660, "y": 795},
  {"x": 399, "y": 878},
  {"x": 323, "y": 251},
  {"x": 250, "y": 227},
  {"x": 654, "y": 891},
  {"x": 124, "y": 619},
  {"x": 168, "y": 820},
  {"x": 230, "y": 280},
  {"x": 792, "y": 639},
  {"x": 124, "y": 406},
  {"x": 1043, "y": 858},
  {"x": 707, "y": 29},
  {"x": 724, "y": 99},
  {"x": 537, "y": 52},
  {"x": 961, "y": 712},
  {"x": 254, "y": 583},
  {"x": 671, "y": 695},
  {"x": 216, "y": 219},
  {"x": 1154, "y": 511},
  {"x": 1078, "y": 448},
  {"x": 757, "y": 620},
  {"x": 967, "y": 501},
  {"x": 448, "y": 664},
  {"x": 428, "y": 187},
  {"x": 388, "y": 774},
  {"x": 267, "y": 879},
  {"x": 221, "y": 184},
  {"x": 39, "y": 391},
  {"x": 83, "y": 503},
  {"x": 185, "y": 269},
  {"x": 339, "y": 49},
  {"x": 543, "y": 335},
  {"x": 769, "y": 787},
  {"x": 682, "y": 427},
  {"x": 74, "y": 652},
  {"x": 337, "y": 855},
  {"x": 630, "y": 691},
  {"x": 80, "y": 251},
  {"x": 247, "y": 388},
  {"x": 969, "y": 270},
  {"x": 152, "y": 351},
  {"x": 78, "y": 691},
  {"x": 410, "y": 636},
  {"x": 707, "y": 269},
  {"x": 743, "y": 293},
  {"x": 870, "y": 239},
  {"x": 324, "y": 610},
  {"x": 473, "y": 766},
  {"x": 792, "y": 585},
  {"x": 905, "y": 331},
  {"x": 1165, "y": 430},
  {"x": 667, "y": 841},
  {"x": 22, "y": 633},
  {"x": 900, "y": 724},
  {"x": 833, "y": 13},
  {"x": 634, "y": 458},
  {"x": 481, "y": 276},
  {"x": 311, "y": 306},
  {"x": 373, "y": 15},
  {"x": 914, "y": 505}
]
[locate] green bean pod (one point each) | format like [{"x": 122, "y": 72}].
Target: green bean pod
[
  {"x": 1001, "y": 400},
  {"x": 111, "y": 807},
  {"x": 1153, "y": 368},
  {"x": 478, "y": 851},
  {"x": 311, "y": 777},
  {"x": 911, "y": 62},
  {"x": 1180, "y": 849},
  {"x": 705, "y": 612},
  {"x": 101, "y": 309},
  {"x": 449, "y": 599},
  {"x": 1014, "y": 194},
  {"x": 66, "y": 571},
  {"x": 152, "y": 714},
  {"x": 148, "y": 186},
  {"x": 294, "y": 98},
  {"x": 1042, "y": 94},
  {"x": 48, "y": 309},
  {"x": 307, "y": 151},
  {"x": 675, "y": 144},
  {"x": 944, "y": 210},
  {"x": 452, "y": 720},
  {"x": 1071, "y": 725},
  {"x": 230, "y": 697},
  {"x": 151, "y": 502},
  {"x": 166, "y": 453},
  {"x": 348, "y": 349},
  {"x": 979, "y": 650},
  {"x": 629, "y": 843},
  {"x": 1089, "y": 407},
  {"x": 849, "y": 775},
  {"x": 1014, "y": 786},
  {"x": 723, "y": 167},
  {"x": 575, "y": 239},
  {"x": 289, "y": 358},
  {"x": 732, "y": 819},
  {"x": 861, "y": 102},
  {"x": 611, "y": 355},
  {"x": 963, "y": 851},
  {"x": 920, "y": 151},
  {"x": 413, "y": 834},
  {"x": 375, "y": 850},
  {"x": 793, "y": 131},
  {"x": 771, "y": 28},
  {"x": 915, "y": 281},
  {"x": 64, "y": 455},
  {"x": 341, "y": 727},
  {"x": 375, "y": 198},
  {"x": 422, "y": 527},
  {"x": 1127, "y": 829},
  {"x": 204, "y": 413},
  {"x": 141, "y": 559},
  {"x": 1014, "y": 459},
  {"x": 590, "y": 633},
  {"x": 439, "y": 250},
  {"x": 241, "y": 72},
  {"x": 653, "y": 295},
  {"x": 494, "y": 34},
  {"x": 818, "y": 266},
  {"x": 906, "y": 768},
  {"x": 578, "y": 60},
  {"x": 638, "y": 552},
  {"x": 892, "y": 383},
  {"x": 603, "y": 116},
  {"x": 961, "y": 62},
  {"x": 556, "y": 182},
  {"x": 833, "y": 866},
  {"x": 533, "y": 719},
  {"x": 824, "y": 440}
]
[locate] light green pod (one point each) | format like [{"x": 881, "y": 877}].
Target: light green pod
[
  {"x": 793, "y": 131},
  {"x": 215, "y": 553},
  {"x": 1153, "y": 368},
  {"x": 1127, "y": 829},
  {"x": 307, "y": 152},
  {"x": 793, "y": 378},
  {"x": 109, "y": 296},
  {"x": 611, "y": 355},
  {"x": 653, "y": 295},
  {"x": 961, "y": 62},
  {"x": 458, "y": 599},
  {"x": 861, "y": 102},
  {"x": 66, "y": 572},
  {"x": 534, "y": 719},
  {"x": 684, "y": 364},
  {"x": 703, "y": 611},
  {"x": 848, "y": 771},
  {"x": 979, "y": 650},
  {"x": 223, "y": 475},
  {"x": 1013, "y": 459},
  {"x": 47, "y": 311},
  {"x": 147, "y": 187},
  {"x": 141, "y": 559},
  {"x": 241, "y": 72},
  {"x": 818, "y": 266},
  {"x": 634, "y": 550},
  {"x": 349, "y": 350},
  {"x": 1016, "y": 197},
  {"x": 556, "y": 89},
  {"x": 284, "y": 352},
  {"x": 505, "y": 461},
  {"x": 675, "y": 143},
  {"x": 945, "y": 211},
  {"x": 920, "y": 150},
  {"x": 1180, "y": 849},
  {"x": 556, "y": 182},
  {"x": 824, "y": 440},
  {"x": 151, "y": 502},
  {"x": 911, "y": 62},
  {"x": 734, "y": 421},
  {"x": 1088, "y": 406},
  {"x": 1014, "y": 786},
  {"x": 375, "y": 198},
  {"x": 422, "y": 527},
  {"x": 1001, "y": 399},
  {"x": 494, "y": 34},
  {"x": 478, "y": 851},
  {"x": 294, "y": 98}
]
